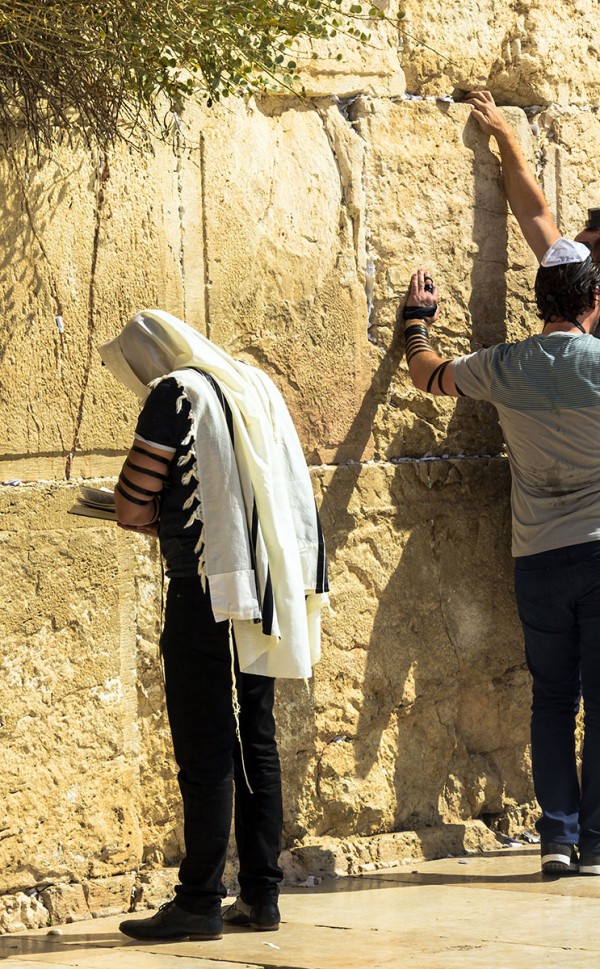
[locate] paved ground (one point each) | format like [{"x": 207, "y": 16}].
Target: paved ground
[{"x": 491, "y": 911}]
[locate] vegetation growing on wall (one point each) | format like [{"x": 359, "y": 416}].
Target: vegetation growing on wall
[{"x": 106, "y": 65}]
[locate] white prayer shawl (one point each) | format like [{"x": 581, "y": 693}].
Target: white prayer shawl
[
  {"x": 224, "y": 554},
  {"x": 272, "y": 473}
]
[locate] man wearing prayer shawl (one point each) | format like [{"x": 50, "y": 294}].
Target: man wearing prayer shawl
[{"x": 216, "y": 470}]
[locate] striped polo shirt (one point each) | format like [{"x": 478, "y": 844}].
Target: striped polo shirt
[{"x": 546, "y": 390}]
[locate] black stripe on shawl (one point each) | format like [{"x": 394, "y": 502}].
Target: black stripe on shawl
[
  {"x": 267, "y": 607},
  {"x": 322, "y": 584},
  {"x": 223, "y": 402}
]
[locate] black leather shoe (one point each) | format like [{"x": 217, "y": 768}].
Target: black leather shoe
[
  {"x": 171, "y": 923},
  {"x": 262, "y": 916}
]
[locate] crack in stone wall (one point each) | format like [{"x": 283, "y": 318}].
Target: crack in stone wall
[
  {"x": 177, "y": 150},
  {"x": 205, "y": 247},
  {"x": 102, "y": 176}
]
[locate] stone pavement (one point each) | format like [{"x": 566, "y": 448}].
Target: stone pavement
[{"x": 491, "y": 911}]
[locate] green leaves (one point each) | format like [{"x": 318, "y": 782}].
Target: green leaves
[{"x": 108, "y": 62}]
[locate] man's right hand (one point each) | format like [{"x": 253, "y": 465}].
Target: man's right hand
[
  {"x": 487, "y": 114},
  {"x": 524, "y": 195},
  {"x": 423, "y": 293}
]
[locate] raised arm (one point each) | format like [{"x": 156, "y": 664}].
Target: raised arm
[
  {"x": 524, "y": 195},
  {"x": 428, "y": 370}
]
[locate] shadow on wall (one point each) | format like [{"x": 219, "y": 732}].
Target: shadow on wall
[
  {"x": 444, "y": 618},
  {"x": 33, "y": 188},
  {"x": 487, "y": 302},
  {"x": 298, "y": 735},
  {"x": 439, "y": 732}
]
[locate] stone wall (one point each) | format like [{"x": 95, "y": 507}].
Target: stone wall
[{"x": 285, "y": 230}]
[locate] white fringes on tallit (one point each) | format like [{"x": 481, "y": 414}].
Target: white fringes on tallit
[
  {"x": 185, "y": 458},
  {"x": 179, "y": 403},
  {"x": 188, "y": 437},
  {"x": 236, "y": 705},
  {"x": 200, "y": 551},
  {"x": 189, "y": 501},
  {"x": 196, "y": 516},
  {"x": 189, "y": 475}
]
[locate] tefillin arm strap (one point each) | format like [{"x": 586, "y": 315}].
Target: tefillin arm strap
[
  {"x": 419, "y": 312},
  {"x": 417, "y": 341}
]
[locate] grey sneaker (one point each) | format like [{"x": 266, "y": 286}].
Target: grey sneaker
[
  {"x": 589, "y": 864},
  {"x": 558, "y": 859}
]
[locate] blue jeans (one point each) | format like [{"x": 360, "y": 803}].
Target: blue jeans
[
  {"x": 558, "y": 598},
  {"x": 198, "y": 687}
]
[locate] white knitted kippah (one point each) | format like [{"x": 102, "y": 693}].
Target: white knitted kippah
[{"x": 565, "y": 251}]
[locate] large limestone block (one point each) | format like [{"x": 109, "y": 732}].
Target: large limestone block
[
  {"x": 161, "y": 817},
  {"x": 344, "y": 66},
  {"x": 248, "y": 226},
  {"x": 65, "y": 903},
  {"x": 111, "y": 895},
  {"x": 569, "y": 141},
  {"x": 20, "y": 912},
  {"x": 68, "y": 734},
  {"x": 90, "y": 238},
  {"x": 530, "y": 53},
  {"x": 418, "y": 712},
  {"x": 285, "y": 289},
  {"x": 329, "y": 855},
  {"x": 434, "y": 198}
]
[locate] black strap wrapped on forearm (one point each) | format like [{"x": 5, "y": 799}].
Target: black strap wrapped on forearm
[
  {"x": 439, "y": 373},
  {"x": 419, "y": 312}
]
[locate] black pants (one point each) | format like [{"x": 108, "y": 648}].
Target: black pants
[{"x": 199, "y": 702}]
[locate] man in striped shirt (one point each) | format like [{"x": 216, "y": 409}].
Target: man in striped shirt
[{"x": 546, "y": 390}]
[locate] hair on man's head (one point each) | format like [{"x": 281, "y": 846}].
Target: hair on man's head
[{"x": 567, "y": 290}]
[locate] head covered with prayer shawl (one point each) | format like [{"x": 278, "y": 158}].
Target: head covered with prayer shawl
[
  {"x": 154, "y": 343},
  {"x": 275, "y": 483}
]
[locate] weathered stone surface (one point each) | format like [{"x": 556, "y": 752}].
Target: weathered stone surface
[
  {"x": 83, "y": 269},
  {"x": 245, "y": 230},
  {"x": 344, "y": 66},
  {"x": 287, "y": 231},
  {"x": 285, "y": 289},
  {"x": 19, "y": 912},
  {"x": 392, "y": 735},
  {"x": 569, "y": 146},
  {"x": 154, "y": 887},
  {"x": 160, "y": 814},
  {"x": 525, "y": 54},
  {"x": 264, "y": 236},
  {"x": 388, "y": 736},
  {"x": 442, "y": 207},
  {"x": 68, "y": 731},
  {"x": 65, "y": 903},
  {"x": 110, "y": 895},
  {"x": 325, "y": 856}
]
